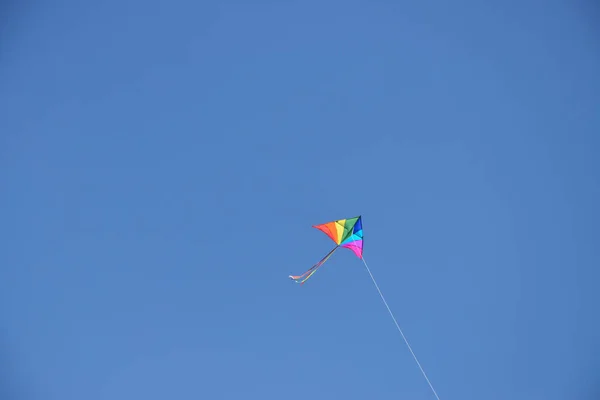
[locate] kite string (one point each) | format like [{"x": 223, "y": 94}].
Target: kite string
[{"x": 399, "y": 329}]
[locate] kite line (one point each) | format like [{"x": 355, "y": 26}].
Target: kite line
[{"x": 399, "y": 329}]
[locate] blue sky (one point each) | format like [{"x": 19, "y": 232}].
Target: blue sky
[{"x": 162, "y": 164}]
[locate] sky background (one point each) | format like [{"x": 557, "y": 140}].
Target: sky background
[{"x": 161, "y": 165}]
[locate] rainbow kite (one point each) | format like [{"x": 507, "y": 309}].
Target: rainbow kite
[
  {"x": 345, "y": 233},
  {"x": 348, "y": 233}
]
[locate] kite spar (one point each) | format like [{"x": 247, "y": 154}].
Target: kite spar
[{"x": 348, "y": 233}]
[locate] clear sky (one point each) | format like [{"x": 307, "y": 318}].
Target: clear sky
[{"x": 161, "y": 165}]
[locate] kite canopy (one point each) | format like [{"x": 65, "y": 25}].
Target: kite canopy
[{"x": 346, "y": 233}]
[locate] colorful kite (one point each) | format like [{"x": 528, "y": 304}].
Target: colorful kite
[
  {"x": 348, "y": 233},
  {"x": 345, "y": 233}
]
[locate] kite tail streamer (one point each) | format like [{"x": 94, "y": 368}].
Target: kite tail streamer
[
  {"x": 399, "y": 329},
  {"x": 304, "y": 277}
]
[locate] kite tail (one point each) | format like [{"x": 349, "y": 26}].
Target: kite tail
[{"x": 304, "y": 277}]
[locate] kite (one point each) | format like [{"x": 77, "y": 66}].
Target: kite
[
  {"x": 348, "y": 233},
  {"x": 345, "y": 233}
]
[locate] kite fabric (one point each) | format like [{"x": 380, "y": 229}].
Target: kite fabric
[{"x": 345, "y": 233}]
